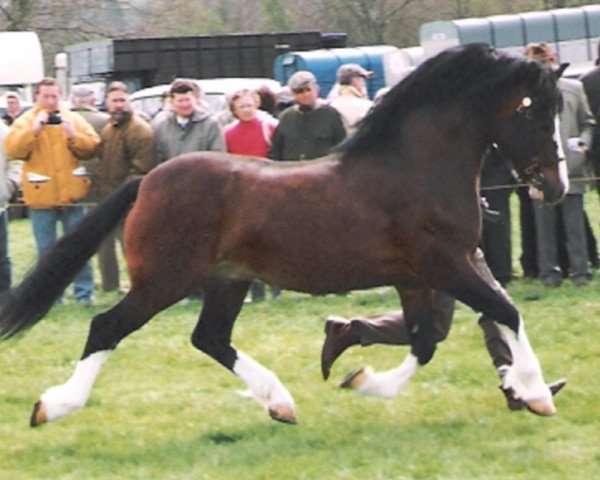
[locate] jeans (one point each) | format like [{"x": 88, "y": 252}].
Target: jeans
[
  {"x": 44, "y": 225},
  {"x": 5, "y": 262}
]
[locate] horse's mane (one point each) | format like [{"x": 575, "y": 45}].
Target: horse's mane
[{"x": 473, "y": 74}]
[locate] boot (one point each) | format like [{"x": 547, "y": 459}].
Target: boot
[{"x": 339, "y": 335}]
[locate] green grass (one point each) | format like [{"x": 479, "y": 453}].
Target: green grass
[{"x": 161, "y": 410}]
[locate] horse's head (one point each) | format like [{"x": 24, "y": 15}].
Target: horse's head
[{"x": 530, "y": 138}]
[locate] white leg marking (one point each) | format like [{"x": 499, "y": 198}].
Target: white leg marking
[
  {"x": 524, "y": 376},
  {"x": 63, "y": 399},
  {"x": 263, "y": 383},
  {"x": 388, "y": 384}
]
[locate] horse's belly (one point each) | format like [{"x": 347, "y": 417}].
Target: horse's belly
[{"x": 329, "y": 273}]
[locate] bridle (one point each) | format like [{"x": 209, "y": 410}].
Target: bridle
[{"x": 532, "y": 170}]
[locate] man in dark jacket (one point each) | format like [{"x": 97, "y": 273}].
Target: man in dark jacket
[{"x": 309, "y": 129}]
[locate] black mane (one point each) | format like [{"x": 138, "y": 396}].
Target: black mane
[{"x": 473, "y": 74}]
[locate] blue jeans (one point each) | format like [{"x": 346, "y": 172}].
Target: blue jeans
[
  {"x": 5, "y": 262},
  {"x": 44, "y": 225}
]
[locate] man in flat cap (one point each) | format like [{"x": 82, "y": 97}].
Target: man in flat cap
[
  {"x": 310, "y": 128},
  {"x": 352, "y": 101}
]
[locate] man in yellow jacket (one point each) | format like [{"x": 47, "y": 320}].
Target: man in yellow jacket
[{"x": 52, "y": 140}]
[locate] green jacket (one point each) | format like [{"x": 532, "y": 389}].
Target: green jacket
[{"x": 307, "y": 135}]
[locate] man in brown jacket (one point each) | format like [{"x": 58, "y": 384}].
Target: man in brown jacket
[{"x": 126, "y": 152}]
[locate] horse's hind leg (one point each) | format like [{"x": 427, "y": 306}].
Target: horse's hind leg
[
  {"x": 223, "y": 300},
  {"x": 427, "y": 319},
  {"x": 106, "y": 331}
]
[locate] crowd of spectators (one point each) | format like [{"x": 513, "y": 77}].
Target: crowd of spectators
[{"x": 64, "y": 159}]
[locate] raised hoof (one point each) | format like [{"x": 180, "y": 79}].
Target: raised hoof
[
  {"x": 283, "y": 414},
  {"x": 355, "y": 379},
  {"x": 38, "y": 416},
  {"x": 544, "y": 409},
  {"x": 534, "y": 407}
]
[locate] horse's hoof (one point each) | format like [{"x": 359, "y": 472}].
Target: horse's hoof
[
  {"x": 38, "y": 416},
  {"x": 283, "y": 414},
  {"x": 514, "y": 403},
  {"x": 355, "y": 379},
  {"x": 544, "y": 409}
]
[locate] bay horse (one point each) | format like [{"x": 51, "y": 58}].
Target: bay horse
[{"x": 397, "y": 204}]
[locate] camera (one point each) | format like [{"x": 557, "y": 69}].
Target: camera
[{"x": 54, "y": 119}]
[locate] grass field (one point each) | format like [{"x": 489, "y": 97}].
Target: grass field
[{"x": 161, "y": 410}]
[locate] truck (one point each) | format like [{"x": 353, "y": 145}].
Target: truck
[
  {"x": 573, "y": 33},
  {"x": 21, "y": 65},
  {"x": 146, "y": 62}
]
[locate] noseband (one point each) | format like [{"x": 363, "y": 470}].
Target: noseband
[{"x": 532, "y": 171}]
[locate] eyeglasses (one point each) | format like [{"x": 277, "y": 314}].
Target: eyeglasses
[{"x": 302, "y": 90}]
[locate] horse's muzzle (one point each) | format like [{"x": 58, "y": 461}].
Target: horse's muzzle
[{"x": 553, "y": 192}]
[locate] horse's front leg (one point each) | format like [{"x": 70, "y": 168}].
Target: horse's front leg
[
  {"x": 223, "y": 300},
  {"x": 427, "y": 320},
  {"x": 523, "y": 378}
]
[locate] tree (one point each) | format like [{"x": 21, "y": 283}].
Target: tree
[
  {"x": 367, "y": 22},
  {"x": 60, "y": 23}
]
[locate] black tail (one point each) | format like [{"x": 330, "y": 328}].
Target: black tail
[{"x": 25, "y": 305}]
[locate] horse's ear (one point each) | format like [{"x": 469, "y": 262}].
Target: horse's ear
[{"x": 560, "y": 70}]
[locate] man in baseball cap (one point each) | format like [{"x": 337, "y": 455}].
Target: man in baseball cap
[
  {"x": 301, "y": 80},
  {"x": 352, "y": 100},
  {"x": 347, "y": 72},
  {"x": 308, "y": 129}
]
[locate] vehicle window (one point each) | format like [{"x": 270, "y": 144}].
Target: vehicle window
[
  {"x": 216, "y": 101},
  {"x": 148, "y": 105}
]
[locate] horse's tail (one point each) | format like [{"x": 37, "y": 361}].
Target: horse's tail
[{"x": 26, "y": 304}]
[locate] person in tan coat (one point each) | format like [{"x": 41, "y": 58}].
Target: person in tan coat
[
  {"x": 352, "y": 100},
  {"x": 51, "y": 140}
]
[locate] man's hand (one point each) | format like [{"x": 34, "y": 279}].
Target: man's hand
[
  {"x": 67, "y": 124},
  {"x": 40, "y": 121}
]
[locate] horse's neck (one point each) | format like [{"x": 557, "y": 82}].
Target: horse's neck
[{"x": 455, "y": 134}]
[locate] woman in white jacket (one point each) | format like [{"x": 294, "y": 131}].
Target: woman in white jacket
[{"x": 10, "y": 177}]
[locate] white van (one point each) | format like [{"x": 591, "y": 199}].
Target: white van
[
  {"x": 21, "y": 65},
  {"x": 214, "y": 93}
]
